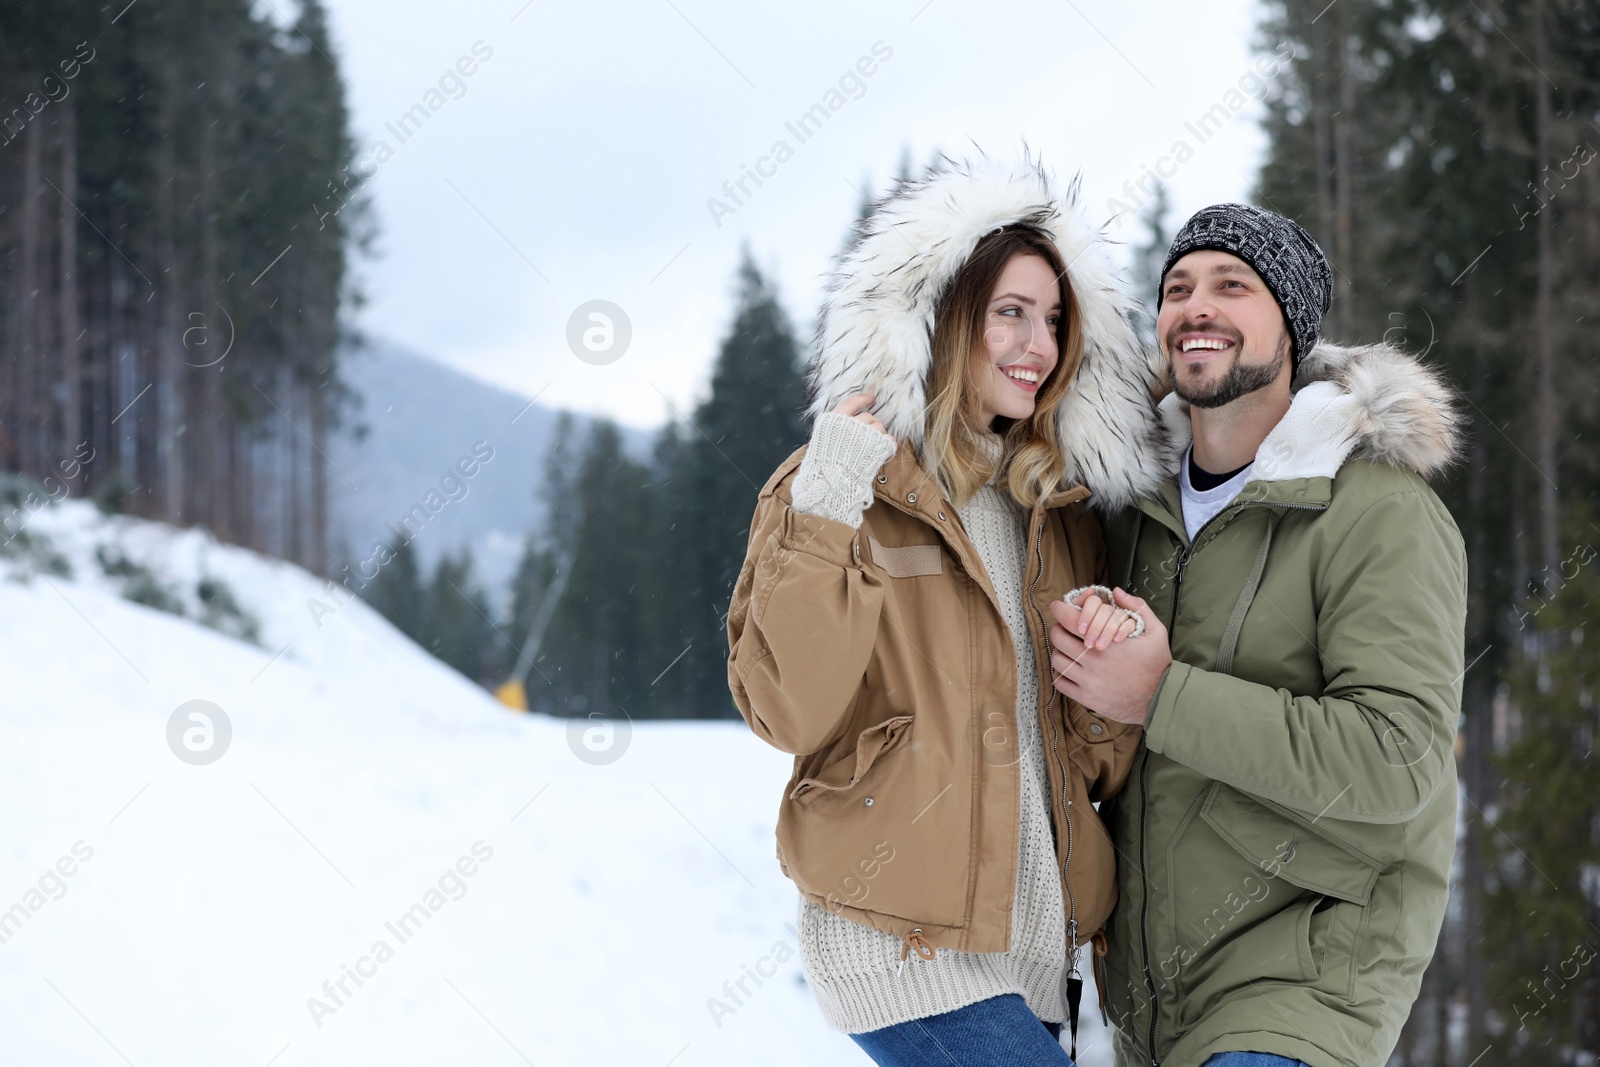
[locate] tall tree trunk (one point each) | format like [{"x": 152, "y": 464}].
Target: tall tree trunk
[
  {"x": 169, "y": 334},
  {"x": 319, "y": 480},
  {"x": 289, "y": 462},
  {"x": 1344, "y": 178},
  {"x": 30, "y": 363},
  {"x": 71, "y": 331},
  {"x": 9, "y": 285},
  {"x": 132, "y": 377},
  {"x": 1478, "y": 695},
  {"x": 242, "y": 478},
  {"x": 100, "y": 365},
  {"x": 1441, "y": 1016},
  {"x": 1547, "y": 421},
  {"x": 48, "y": 319},
  {"x": 123, "y": 372},
  {"x": 145, "y": 407},
  {"x": 1322, "y": 126},
  {"x": 210, "y": 488}
]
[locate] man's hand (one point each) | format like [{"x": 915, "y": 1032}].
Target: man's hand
[{"x": 1118, "y": 681}]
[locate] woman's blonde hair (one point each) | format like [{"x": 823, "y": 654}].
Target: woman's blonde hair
[{"x": 1031, "y": 456}]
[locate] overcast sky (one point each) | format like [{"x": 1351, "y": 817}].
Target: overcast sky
[{"x": 576, "y": 160}]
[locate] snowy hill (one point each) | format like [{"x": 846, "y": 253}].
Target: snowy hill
[
  {"x": 383, "y": 866},
  {"x": 421, "y": 418}
]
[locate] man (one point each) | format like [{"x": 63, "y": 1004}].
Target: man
[{"x": 1286, "y": 836}]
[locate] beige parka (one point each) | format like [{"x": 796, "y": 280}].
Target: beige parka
[{"x": 880, "y": 657}]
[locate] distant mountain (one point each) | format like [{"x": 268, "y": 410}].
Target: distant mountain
[{"x": 423, "y": 422}]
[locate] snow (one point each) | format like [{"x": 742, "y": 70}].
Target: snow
[{"x": 578, "y": 910}]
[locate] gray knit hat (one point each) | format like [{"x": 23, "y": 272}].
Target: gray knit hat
[{"x": 1288, "y": 260}]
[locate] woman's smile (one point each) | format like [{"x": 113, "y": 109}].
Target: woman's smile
[{"x": 1025, "y": 376}]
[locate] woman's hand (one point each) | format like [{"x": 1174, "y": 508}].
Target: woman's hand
[
  {"x": 856, "y": 407},
  {"x": 1102, "y": 624}
]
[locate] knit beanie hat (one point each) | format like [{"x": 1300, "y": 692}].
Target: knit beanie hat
[{"x": 1288, "y": 260}]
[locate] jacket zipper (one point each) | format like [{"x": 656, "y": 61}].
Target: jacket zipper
[
  {"x": 1055, "y": 749},
  {"x": 1144, "y": 764},
  {"x": 1189, "y": 549},
  {"x": 1144, "y": 907},
  {"x": 1177, "y": 584}
]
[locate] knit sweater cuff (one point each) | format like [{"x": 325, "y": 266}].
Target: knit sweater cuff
[{"x": 835, "y": 476}]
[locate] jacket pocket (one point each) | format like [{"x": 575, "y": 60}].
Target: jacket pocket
[
  {"x": 907, "y": 561},
  {"x": 872, "y": 744},
  {"x": 883, "y": 830},
  {"x": 1337, "y": 877},
  {"x": 1285, "y": 845}
]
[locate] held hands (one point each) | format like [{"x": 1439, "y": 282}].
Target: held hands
[
  {"x": 1094, "y": 664},
  {"x": 1101, "y": 622},
  {"x": 1092, "y": 661}
]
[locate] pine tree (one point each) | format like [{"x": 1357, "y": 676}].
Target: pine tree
[
  {"x": 185, "y": 150},
  {"x": 1438, "y": 161},
  {"x": 1544, "y": 895},
  {"x": 456, "y": 626},
  {"x": 597, "y": 651},
  {"x": 396, "y": 592},
  {"x": 1148, "y": 256},
  {"x": 1151, "y": 251},
  {"x": 753, "y": 419}
]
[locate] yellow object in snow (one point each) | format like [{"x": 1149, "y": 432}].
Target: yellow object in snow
[{"x": 513, "y": 695}]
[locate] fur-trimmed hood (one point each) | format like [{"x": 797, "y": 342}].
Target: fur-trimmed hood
[
  {"x": 876, "y": 328},
  {"x": 1357, "y": 402}
]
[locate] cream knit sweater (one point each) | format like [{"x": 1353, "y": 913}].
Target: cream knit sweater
[{"x": 852, "y": 967}]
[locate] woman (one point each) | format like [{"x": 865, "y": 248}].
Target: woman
[{"x": 889, "y": 626}]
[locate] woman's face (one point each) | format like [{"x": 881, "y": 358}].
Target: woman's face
[{"x": 1019, "y": 338}]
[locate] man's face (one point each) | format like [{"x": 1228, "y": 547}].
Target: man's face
[{"x": 1221, "y": 331}]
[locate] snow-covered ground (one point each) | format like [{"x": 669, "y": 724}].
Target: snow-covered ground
[{"x": 573, "y": 899}]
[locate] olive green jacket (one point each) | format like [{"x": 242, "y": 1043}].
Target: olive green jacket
[{"x": 1286, "y": 837}]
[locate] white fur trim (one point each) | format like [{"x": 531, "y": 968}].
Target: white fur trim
[
  {"x": 875, "y": 331},
  {"x": 1363, "y": 401}
]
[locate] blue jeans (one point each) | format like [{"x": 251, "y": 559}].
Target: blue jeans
[
  {"x": 998, "y": 1032},
  {"x": 1251, "y": 1059}
]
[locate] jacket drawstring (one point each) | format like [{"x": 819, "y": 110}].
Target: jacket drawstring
[
  {"x": 1074, "y": 996},
  {"x": 1101, "y": 947},
  {"x": 1074, "y": 987},
  {"x": 914, "y": 939}
]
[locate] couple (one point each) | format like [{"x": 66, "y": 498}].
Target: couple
[{"x": 1266, "y": 705}]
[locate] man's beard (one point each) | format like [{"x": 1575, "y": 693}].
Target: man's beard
[{"x": 1240, "y": 380}]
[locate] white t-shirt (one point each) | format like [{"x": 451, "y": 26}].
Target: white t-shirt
[{"x": 1199, "y": 507}]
